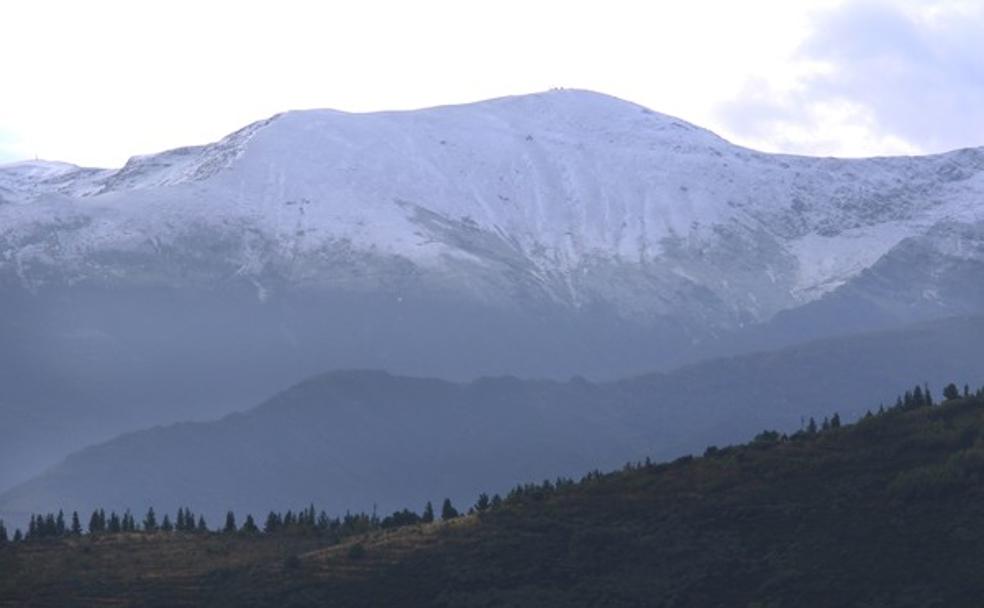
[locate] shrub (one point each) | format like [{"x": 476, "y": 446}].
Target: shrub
[{"x": 357, "y": 551}]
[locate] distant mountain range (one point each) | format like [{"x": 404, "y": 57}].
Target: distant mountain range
[
  {"x": 546, "y": 235},
  {"x": 355, "y": 440}
]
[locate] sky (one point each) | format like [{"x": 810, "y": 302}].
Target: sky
[{"x": 96, "y": 82}]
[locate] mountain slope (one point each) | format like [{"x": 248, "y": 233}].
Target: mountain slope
[
  {"x": 544, "y": 235},
  {"x": 886, "y": 512},
  {"x": 351, "y": 440},
  {"x": 542, "y": 196}
]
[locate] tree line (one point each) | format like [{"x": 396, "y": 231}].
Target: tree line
[
  {"x": 920, "y": 396},
  {"x": 304, "y": 521}
]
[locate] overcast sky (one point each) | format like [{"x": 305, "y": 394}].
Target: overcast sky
[{"x": 95, "y": 82}]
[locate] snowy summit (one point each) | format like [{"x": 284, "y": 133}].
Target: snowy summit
[{"x": 568, "y": 197}]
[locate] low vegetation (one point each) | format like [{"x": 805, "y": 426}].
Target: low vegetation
[{"x": 886, "y": 511}]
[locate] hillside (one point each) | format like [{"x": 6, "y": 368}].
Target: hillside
[
  {"x": 885, "y": 512},
  {"x": 351, "y": 440}
]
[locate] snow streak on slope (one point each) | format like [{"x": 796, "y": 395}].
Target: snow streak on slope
[{"x": 568, "y": 197}]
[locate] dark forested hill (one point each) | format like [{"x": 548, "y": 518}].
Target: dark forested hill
[{"x": 885, "y": 512}]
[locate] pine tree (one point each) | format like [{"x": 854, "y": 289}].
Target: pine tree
[
  {"x": 150, "y": 521},
  {"x": 60, "y": 523},
  {"x": 166, "y": 525},
  {"x": 428, "y": 515},
  {"x": 835, "y": 421},
  {"x": 115, "y": 526},
  {"x": 928, "y": 397},
  {"x": 825, "y": 426},
  {"x": 3, "y": 533},
  {"x": 951, "y": 392},
  {"x": 32, "y": 528},
  {"x": 230, "y": 523},
  {"x": 482, "y": 504},
  {"x": 249, "y": 526},
  {"x": 917, "y": 397},
  {"x": 189, "y": 520},
  {"x": 76, "y": 524},
  {"x": 448, "y": 511},
  {"x": 273, "y": 523},
  {"x": 18, "y": 536},
  {"x": 94, "y": 523},
  {"x": 496, "y": 501},
  {"x": 50, "y": 525},
  {"x": 188, "y": 524},
  {"x": 202, "y": 527},
  {"x": 811, "y": 427}
]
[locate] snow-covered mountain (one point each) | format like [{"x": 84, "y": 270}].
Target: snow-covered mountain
[
  {"x": 567, "y": 198},
  {"x": 544, "y": 235}
]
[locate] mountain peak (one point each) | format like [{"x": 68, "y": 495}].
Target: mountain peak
[
  {"x": 566, "y": 113},
  {"x": 578, "y": 101},
  {"x": 548, "y": 193}
]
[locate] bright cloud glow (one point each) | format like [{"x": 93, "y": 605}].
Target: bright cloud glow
[
  {"x": 875, "y": 77},
  {"x": 98, "y": 81}
]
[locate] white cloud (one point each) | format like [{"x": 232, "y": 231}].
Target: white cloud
[
  {"x": 98, "y": 81},
  {"x": 876, "y": 78},
  {"x": 9, "y": 150}
]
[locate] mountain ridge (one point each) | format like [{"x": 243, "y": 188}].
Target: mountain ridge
[
  {"x": 350, "y": 439},
  {"x": 553, "y": 205}
]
